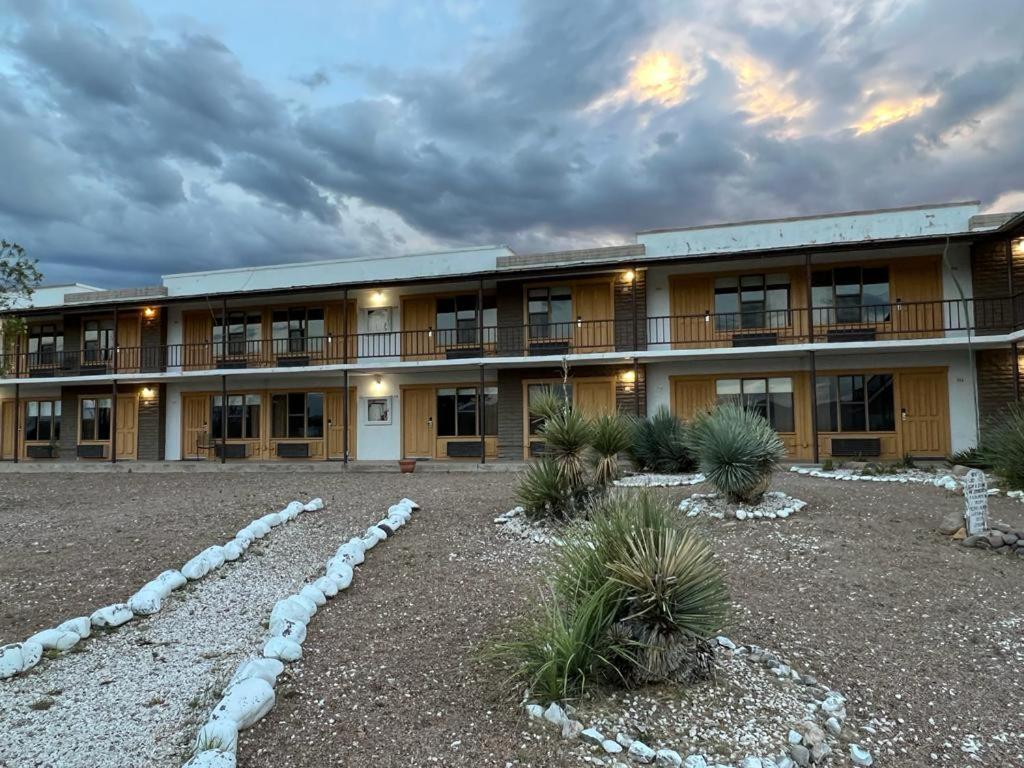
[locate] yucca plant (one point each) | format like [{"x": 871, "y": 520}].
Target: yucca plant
[
  {"x": 542, "y": 491},
  {"x": 737, "y": 450},
  {"x": 660, "y": 444},
  {"x": 610, "y": 435},
  {"x": 1004, "y": 446},
  {"x": 566, "y": 434}
]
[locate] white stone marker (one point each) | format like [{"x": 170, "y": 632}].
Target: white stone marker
[{"x": 975, "y": 502}]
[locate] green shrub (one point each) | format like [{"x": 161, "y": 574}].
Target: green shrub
[
  {"x": 1004, "y": 448},
  {"x": 737, "y": 450},
  {"x": 972, "y": 457},
  {"x": 636, "y": 594},
  {"x": 660, "y": 444},
  {"x": 542, "y": 491},
  {"x": 610, "y": 435},
  {"x": 566, "y": 435}
]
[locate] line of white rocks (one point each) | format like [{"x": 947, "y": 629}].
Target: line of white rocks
[
  {"x": 516, "y": 523},
  {"x": 652, "y": 480},
  {"x": 807, "y": 744},
  {"x": 773, "y": 505},
  {"x": 16, "y": 658},
  {"x": 249, "y": 695}
]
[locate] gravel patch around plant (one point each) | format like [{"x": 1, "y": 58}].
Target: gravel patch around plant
[
  {"x": 659, "y": 481},
  {"x": 516, "y": 524},
  {"x": 773, "y": 505}
]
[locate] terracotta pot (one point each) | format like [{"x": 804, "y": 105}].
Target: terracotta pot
[{"x": 407, "y": 466}]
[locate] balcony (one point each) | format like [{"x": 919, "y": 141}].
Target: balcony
[{"x": 833, "y": 325}]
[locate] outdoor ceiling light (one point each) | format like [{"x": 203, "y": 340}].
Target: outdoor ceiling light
[
  {"x": 628, "y": 376},
  {"x": 629, "y": 276},
  {"x": 149, "y": 312},
  {"x": 377, "y": 379},
  {"x": 1018, "y": 246}
]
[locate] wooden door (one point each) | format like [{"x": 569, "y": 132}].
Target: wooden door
[
  {"x": 7, "y": 429},
  {"x": 336, "y": 431},
  {"x": 592, "y": 303},
  {"x": 692, "y": 395},
  {"x": 418, "y": 317},
  {"x": 916, "y": 295},
  {"x": 418, "y": 423},
  {"x": 126, "y": 439},
  {"x": 594, "y": 398},
  {"x": 691, "y": 297},
  {"x": 198, "y": 350},
  {"x": 195, "y": 410},
  {"x": 923, "y": 413},
  {"x": 129, "y": 339}
]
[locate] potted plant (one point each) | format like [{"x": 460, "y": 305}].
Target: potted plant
[{"x": 406, "y": 466}]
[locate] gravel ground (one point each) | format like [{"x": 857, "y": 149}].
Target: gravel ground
[{"x": 925, "y": 638}]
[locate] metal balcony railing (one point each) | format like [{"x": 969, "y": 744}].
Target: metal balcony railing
[{"x": 748, "y": 328}]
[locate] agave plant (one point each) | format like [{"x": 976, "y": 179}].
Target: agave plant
[
  {"x": 610, "y": 435},
  {"x": 1004, "y": 446},
  {"x": 566, "y": 435},
  {"x": 737, "y": 451},
  {"x": 660, "y": 444},
  {"x": 542, "y": 492}
]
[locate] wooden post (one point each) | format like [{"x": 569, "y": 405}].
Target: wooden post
[
  {"x": 223, "y": 418},
  {"x": 814, "y": 406},
  {"x": 1009, "y": 284},
  {"x": 224, "y": 343},
  {"x": 810, "y": 304},
  {"x": 1015, "y": 351},
  {"x": 344, "y": 414},
  {"x": 636, "y": 387},
  {"x": 113, "y": 417},
  {"x": 17, "y": 417},
  {"x": 632, "y": 291},
  {"x": 482, "y": 417},
  {"x": 113, "y": 364}
]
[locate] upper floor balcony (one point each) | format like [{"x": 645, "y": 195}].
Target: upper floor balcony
[{"x": 754, "y": 326}]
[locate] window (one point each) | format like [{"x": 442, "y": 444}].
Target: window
[
  {"x": 242, "y": 334},
  {"x": 457, "y": 412},
  {"x": 297, "y": 414},
  {"x": 243, "y": 417},
  {"x": 298, "y": 330},
  {"x": 535, "y": 391},
  {"x": 378, "y": 410},
  {"x": 550, "y": 313},
  {"x": 95, "y": 421},
  {"x": 42, "y": 420},
  {"x": 458, "y": 323},
  {"x": 45, "y": 344},
  {"x": 772, "y": 398},
  {"x": 851, "y": 295},
  {"x": 856, "y": 403},
  {"x": 97, "y": 340},
  {"x": 751, "y": 301}
]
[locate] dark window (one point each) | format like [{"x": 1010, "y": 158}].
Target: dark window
[
  {"x": 243, "y": 417},
  {"x": 851, "y": 295},
  {"x": 550, "y": 313},
  {"x": 97, "y": 340},
  {"x": 458, "y": 323},
  {"x": 457, "y": 411},
  {"x": 751, "y": 301},
  {"x": 95, "y": 421},
  {"x": 45, "y": 343},
  {"x": 42, "y": 420},
  {"x": 241, "y": 332},
  {"x": 772, "y": 398},
  {"x": 298, "y": 330},
  {"x": 856, "y": 403},
  {"x": 534, "y": 391},
  {"x": 297, "y": 414}
]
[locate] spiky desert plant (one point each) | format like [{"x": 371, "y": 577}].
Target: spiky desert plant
[
  {"x": 737, "y": 450},
  {"x": 660, "y": 444},
  {"x": 547, "y": 404},
  {"x": 610, "y": 435},
  {"x": 566, "y": 436},
  {"x": 542, "y": 491},
  {"x": 1004, "y": 446}
]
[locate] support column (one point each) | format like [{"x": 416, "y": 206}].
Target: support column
[
  {"x": 113, "y": 417},
  {"x": 636, "y": 387},
  {"x": 344, "y": 414},
  {"x": 224, "y": 345},
  {"x": 1009, "y": 284},
  {"x": 814, "y": 406},
  {"x": 482, "y": 420},
  {"x": 17, "y": 419},
  {"x": 113, "y": 364},
  {"x": 223, "y": 419},
  {"x": 632, "y": 294},
  {"x": 810, "y": 302},
  {"x": 1015, "y": 351}
]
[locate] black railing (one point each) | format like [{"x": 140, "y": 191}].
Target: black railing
[{"x": 748, "y": 328}]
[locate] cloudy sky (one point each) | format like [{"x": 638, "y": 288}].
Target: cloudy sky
[{"x": 140, "y": 137}]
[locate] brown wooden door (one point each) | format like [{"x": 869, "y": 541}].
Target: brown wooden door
[
  {"x": 691, "y": 297},
  {"x": 7, "y": 429},
  {"x": 592, "y": 303},
  {"x": 129, "y": 336},
  {"x": 195, "y": 410},
  {"x": 692, "y": 395},
  {"x": 336, "y": 431},
  {"x": 126, "y": 439},
  {"x": 923, "y": 414},
  {"x": 916, "y": 293},
  {"x": 197, "y": 352},
  {"x": 594, "y": 398},
  {"x": 418, "y": 317},
  {"x": 418, "y": 423}
]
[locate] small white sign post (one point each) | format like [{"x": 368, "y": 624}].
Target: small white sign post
[{"x": 976, "y": 502}]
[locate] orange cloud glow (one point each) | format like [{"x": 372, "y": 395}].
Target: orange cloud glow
[{"x": 892, "y": 111}]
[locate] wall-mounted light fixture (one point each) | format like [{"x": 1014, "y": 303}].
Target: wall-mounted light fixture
[
  {"x": 707, "y": 315},
  {"x": 1017, "y": 246},
  {"x": 148, "y": 394},
  {"x": 628, "y": 376},
  {"x": 377, "y": 379},
  {"x": 629, "y": 276},
  {"x": 378, "y": 296},
  {"x": 579, "y": 321},
  {"x": 149, "y": 312}
]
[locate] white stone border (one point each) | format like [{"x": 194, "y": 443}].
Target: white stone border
[
  {"x": 655, "y": 480},
  {"x": 808, "y": 742},
  {"x": 17, "y": 658},
  {"x": 515, "y": 523},
  {"x": 249, "y": 695},
  {"x": 694, "y": 505}
]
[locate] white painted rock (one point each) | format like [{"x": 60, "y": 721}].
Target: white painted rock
[
  {"x": 592, "y": 736},
  {"x": 272, "y": 520},
  {"x": 289, "y": 630},
  {"x": 341, "y": 573},
  {"x": 245, "y": 537},
  {"x": 196, "y": 568},
  {"x": 283, "y": 649},
  {"x": 410, "y": 503},
  {"x": 369, "y": 542},
  {"x": 212, "y": 758},
  {"x": 19, "y": 657},
  {"x": 245, "y": 703},
  {"x": 399, "y": 510},
  {"x": 81, "y": 626},
  {"x": 218, "y": 734},
  {"x": 145, "y": 602},
  {"x": 232, "y": 551},
  {"x": 214, "y": 556},
  {"x": 306, "y": 602},
  {"x": 326, "y": 585},
  {"x": 290, "y": 610},
  {"x": 314, "y": 505},
  {"x": 374, "y": 532},
  {"x": 293, "y": 509},
  {"x": 112, "y": 616},
  {"x": 555, "y": 714},
  {"x": 668, "y": 757},
  {"x": 386, "y": 526},
  {"x": 351, "y": 554},
  {"x": 535, "y": 711},
  {"x": 259, "y": 528},
  {"x": 168, "y": 581},
  {"x": 263, "y": 668},
  {"x": 641, "y": 753},
  {"x": 55, "y": 639}
]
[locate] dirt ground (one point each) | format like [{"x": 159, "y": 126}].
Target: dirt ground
[{"x": 925, "y": 638}]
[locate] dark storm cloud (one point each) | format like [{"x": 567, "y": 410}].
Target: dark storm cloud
[{"x": 161, "y": 152}]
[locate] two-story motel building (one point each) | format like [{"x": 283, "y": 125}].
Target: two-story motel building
[{"x": 869, "y": 334}]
